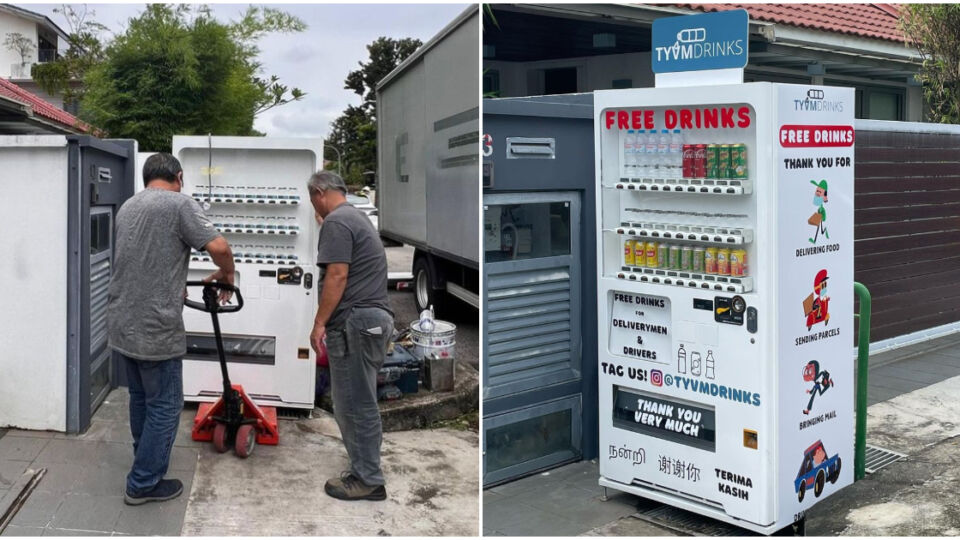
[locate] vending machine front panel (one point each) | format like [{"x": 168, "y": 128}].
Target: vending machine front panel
[{"x": 691, "y": 276}]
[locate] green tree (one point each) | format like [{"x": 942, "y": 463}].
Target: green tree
[
  {"x": 385, "y": 55},
  {"x": 179, "y": 71},
  {"x": 935, "y": 30},
  {"x": 85, "y": 50},
  {"x": 354, "y": 133}
]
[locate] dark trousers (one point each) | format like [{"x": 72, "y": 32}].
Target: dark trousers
[
  {"x": 156, "y": 399},
  {"x": 357, "y": 350}
]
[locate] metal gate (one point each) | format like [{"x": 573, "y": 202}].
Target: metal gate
[
  {"x": 531, "y": 339},
  {"x": 101, "y": 266},
  {"x": 100, "y": 179}
]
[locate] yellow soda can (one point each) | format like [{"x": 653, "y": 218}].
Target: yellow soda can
[{"x": 652, "y": 260}]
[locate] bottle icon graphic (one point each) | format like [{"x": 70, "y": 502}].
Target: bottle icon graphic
[
  {"x": 681, "y": 360},
  {"x": 711, "y": 373},
  {"x": 695, "y": 364}
]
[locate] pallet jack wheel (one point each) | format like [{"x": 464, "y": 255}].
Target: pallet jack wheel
[
  {"x": 220, "y": 438},
  {"x": 246, "y": 440}
]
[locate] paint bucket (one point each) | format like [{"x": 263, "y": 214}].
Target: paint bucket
[
  {"x": 440, "y": 341},
  {"x": 436, "y": 350}
]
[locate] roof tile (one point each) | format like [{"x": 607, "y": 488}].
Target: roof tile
[
  {"x": 43, "y": 108},
  {"x": 878, "y": 21}
]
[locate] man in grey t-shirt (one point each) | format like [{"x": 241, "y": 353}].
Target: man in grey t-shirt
[
  {"x": 354, "y": 315},
  {"x": 155, "y": 230}
]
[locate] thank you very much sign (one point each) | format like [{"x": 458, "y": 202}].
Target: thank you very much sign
[{"x": 700, "y": 42}]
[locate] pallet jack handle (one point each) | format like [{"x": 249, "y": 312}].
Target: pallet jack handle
[{"x": 211, "y": 305}]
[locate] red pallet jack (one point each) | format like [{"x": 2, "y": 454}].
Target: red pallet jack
[{"x": 234, "y": 420}]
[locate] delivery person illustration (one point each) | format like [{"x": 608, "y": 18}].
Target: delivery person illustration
[
  {"x": 816, "y": 305},
  {"x": 821, "y": 382},
  {"x": 819, "y": 218}
]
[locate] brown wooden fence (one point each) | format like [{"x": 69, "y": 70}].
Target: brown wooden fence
[{"x": 907, "y": 226}]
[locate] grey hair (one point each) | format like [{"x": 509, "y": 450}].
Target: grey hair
[{"x": 324, "y": 180}]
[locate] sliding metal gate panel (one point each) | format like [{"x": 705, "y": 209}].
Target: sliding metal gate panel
[{"x": 532, "y": 312}]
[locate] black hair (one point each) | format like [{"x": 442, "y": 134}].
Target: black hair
[{"x": 161, "y": 166}]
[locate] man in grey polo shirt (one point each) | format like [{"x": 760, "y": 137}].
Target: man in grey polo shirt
[
  {"x": 354, "y": 315},
  {"x": 155, "y": 230}
]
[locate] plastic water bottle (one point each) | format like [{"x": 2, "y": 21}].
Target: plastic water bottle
[
  {"x": 663, "y": 154},
  {"x": 640, "y": 151},
  {"x": 650, "y": 153},
  {"x": 676, "y": 154},
  {"x": 629, "y": 155},
  {"x": 711, "y": 365},
  {"x": 426, "y": 320}
]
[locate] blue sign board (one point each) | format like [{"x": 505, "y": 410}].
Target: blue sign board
[{"x": 700, "y": 42}]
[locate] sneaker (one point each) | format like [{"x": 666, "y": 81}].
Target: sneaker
[
  {"x": 350, "y": 488},
  {"x": 163, "y": 491}
]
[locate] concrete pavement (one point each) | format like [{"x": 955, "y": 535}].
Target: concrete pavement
[
  {"x": 432, "y": 489},
  {"x": 82, "y": 491},
  {"x": 432, "y": 484}
]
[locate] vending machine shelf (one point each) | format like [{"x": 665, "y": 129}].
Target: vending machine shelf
[
  {"x": 252, "y": 258},
  {"x": 237, "y": 198},
  {"x": 687, "y": 185},
  {"x": 250, "y": 228},
  {"x": 672, "y": 231},
  {"x": 677, "y": 278}
]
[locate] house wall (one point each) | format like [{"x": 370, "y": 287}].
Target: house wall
[
  {"x": 12, "y": 24},
  {"x": 519, "y": 79},
  {"x": 34, "y": 88},
  {"x": 594, "y": 73}
]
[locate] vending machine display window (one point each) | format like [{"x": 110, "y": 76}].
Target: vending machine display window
[{"x": 677, "y": 205}]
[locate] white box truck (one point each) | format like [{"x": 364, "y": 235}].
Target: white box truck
[{"x": 428, "y": 134}]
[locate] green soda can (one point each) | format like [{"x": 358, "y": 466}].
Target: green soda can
[
  {"x": 699, "y": 260},
  {"x": 686, "y": 258},
  {"x": 674, "y": 261},
  {"x": 723, "y": 161},
  {"x": 663, "y": 255},
  {"x": 713, "y": 160},
  {"x": 738, "y": 161}
]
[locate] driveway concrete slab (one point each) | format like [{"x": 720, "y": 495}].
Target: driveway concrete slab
[{"x": 432, "y": 487}]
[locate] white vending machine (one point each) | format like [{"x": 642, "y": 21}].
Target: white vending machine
[
  {"x": 254, "y": 190},
  {"x": 725, "y": 296}
]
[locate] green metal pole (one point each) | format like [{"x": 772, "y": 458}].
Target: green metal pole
[{"x": 863, "y": 360}]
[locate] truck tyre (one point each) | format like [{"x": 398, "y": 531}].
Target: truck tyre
[
  {"x": 818, "y": 485},
  {"x": 423, "y": 292}
]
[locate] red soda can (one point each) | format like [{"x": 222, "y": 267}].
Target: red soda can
[
  {"x": 688, "y": 167},
  {"x": 700, "y": 161}
]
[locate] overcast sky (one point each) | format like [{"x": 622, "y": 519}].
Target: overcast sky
[{"x": 316, "y": 60}]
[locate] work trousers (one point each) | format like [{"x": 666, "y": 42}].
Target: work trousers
[
  {"x": 156, "y": 399},
  {"x": 357, "y": 349}
]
